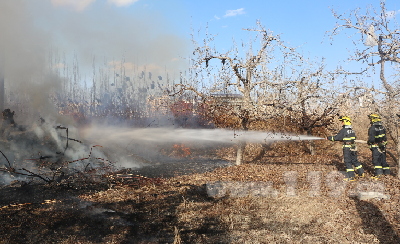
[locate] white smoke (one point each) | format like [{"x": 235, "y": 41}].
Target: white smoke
[
  {"x": 41, "y": 36},
  {"x": 77, "y": 5},
  {"x": 81, "y": 5}
]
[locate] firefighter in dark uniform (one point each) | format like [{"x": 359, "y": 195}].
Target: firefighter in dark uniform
[
  {"x": 348, "y": 136},
  {"x": 377, "y": 143}
]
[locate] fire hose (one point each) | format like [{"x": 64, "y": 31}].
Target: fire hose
[{"x": 388, "y": 152}]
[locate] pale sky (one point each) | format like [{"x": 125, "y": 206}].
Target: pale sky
[{"x": 157, "y": 33}]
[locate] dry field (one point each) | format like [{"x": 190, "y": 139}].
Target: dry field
[{"x": 311, "y": 205}]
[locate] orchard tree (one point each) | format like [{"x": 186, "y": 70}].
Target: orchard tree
[
  {"x": 313, "y": 99},
  {"x": 376, "y": 36},
  {"x": 266, "y": 76}
]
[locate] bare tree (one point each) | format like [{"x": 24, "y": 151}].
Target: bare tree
[
  {"x": 266, "y": 76},
  {"x": 312, "y": 101},
  {"x": 380, "y": 34}
]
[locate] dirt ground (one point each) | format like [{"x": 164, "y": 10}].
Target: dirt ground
[{"x": 168, "y": 203}]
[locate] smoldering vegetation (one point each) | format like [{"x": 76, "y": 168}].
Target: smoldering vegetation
[
  {"x": 60, "y": 72},
  {"x": 45, "y": 152}
]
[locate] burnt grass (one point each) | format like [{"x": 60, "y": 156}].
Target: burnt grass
[{"x": 168, "y": 203}]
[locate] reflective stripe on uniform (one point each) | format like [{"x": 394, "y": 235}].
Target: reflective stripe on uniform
[
  {"x": 348, "y": 170},
  {"x": 378, "y": 167},
  {"x": 359, "y": 167},
  {"x": 380, "y": 144}
]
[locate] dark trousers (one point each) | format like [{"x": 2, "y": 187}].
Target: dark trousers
[
  {"x": 379, "y": 161},
  {"x": 351, "y": 162}
]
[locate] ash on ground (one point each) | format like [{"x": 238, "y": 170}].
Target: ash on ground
[{"x": 178, "y": 167}]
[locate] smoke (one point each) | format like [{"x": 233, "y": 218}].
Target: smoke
[
  {"x": 80, "y": 5},
  {"x": 38, "y": 37},
  {"x": 46, "y": 43},
  {"x": 22, "y": 47},
  {"x": 77, "y": 5}
]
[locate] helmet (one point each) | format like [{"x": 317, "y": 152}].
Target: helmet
[
  {"x": 345, "y": 119},
  {"x": 374, "y": 118}
]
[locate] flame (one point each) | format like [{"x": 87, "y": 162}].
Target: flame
[{"x": 180, "y": 150}]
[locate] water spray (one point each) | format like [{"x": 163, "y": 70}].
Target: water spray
[
  {"x": 139, "y": 143},
  {"x": 177, "y": 135}
]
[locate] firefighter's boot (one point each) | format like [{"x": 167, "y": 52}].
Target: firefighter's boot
[
  {"x": 376, "y": 177},
  {"x": 386, "y": 170},
  {"x": 360, "y": 171}
]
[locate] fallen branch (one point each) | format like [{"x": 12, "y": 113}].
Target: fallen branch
[
  {"x": 13, "y": 171},
  {"x": 26, "y": 172},
  {"x": 8, "y": 161}
]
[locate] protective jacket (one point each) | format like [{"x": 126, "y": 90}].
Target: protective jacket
[
  {"x": 377, "y": 141},
  {"x": 346, "y": 134},
  {"x": 377, "y": 135}
]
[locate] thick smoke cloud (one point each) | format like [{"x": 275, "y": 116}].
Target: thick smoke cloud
[
  {"x": 35, "y": 35},
  {"x": 22, "y": 46},
  {"x": 40, "y": 37}
]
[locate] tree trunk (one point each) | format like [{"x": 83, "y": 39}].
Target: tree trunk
[
  {"x": 398, "y": 159},
  {"x": 242, "y": 144},
  {"x": 239, "y": 152},
  {"x": 311, "y": 147}
]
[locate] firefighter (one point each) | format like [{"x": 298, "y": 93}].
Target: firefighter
[
  {"x": 377, "y": 143},
  {"x": 348, "y": 136}
]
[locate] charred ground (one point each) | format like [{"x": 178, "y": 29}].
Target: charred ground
[{"x": 171, "y": 205}]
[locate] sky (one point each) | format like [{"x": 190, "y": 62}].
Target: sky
[
  {"x": 302, "y": 24},
  {"x": 155, "y": 34}
]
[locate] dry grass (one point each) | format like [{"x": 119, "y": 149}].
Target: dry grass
[
  {"x": 308, "y": 209},
  {"x": 329, "y": 215}
]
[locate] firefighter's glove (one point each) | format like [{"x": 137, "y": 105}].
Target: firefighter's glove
[{"x": 329, "y": 138}]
